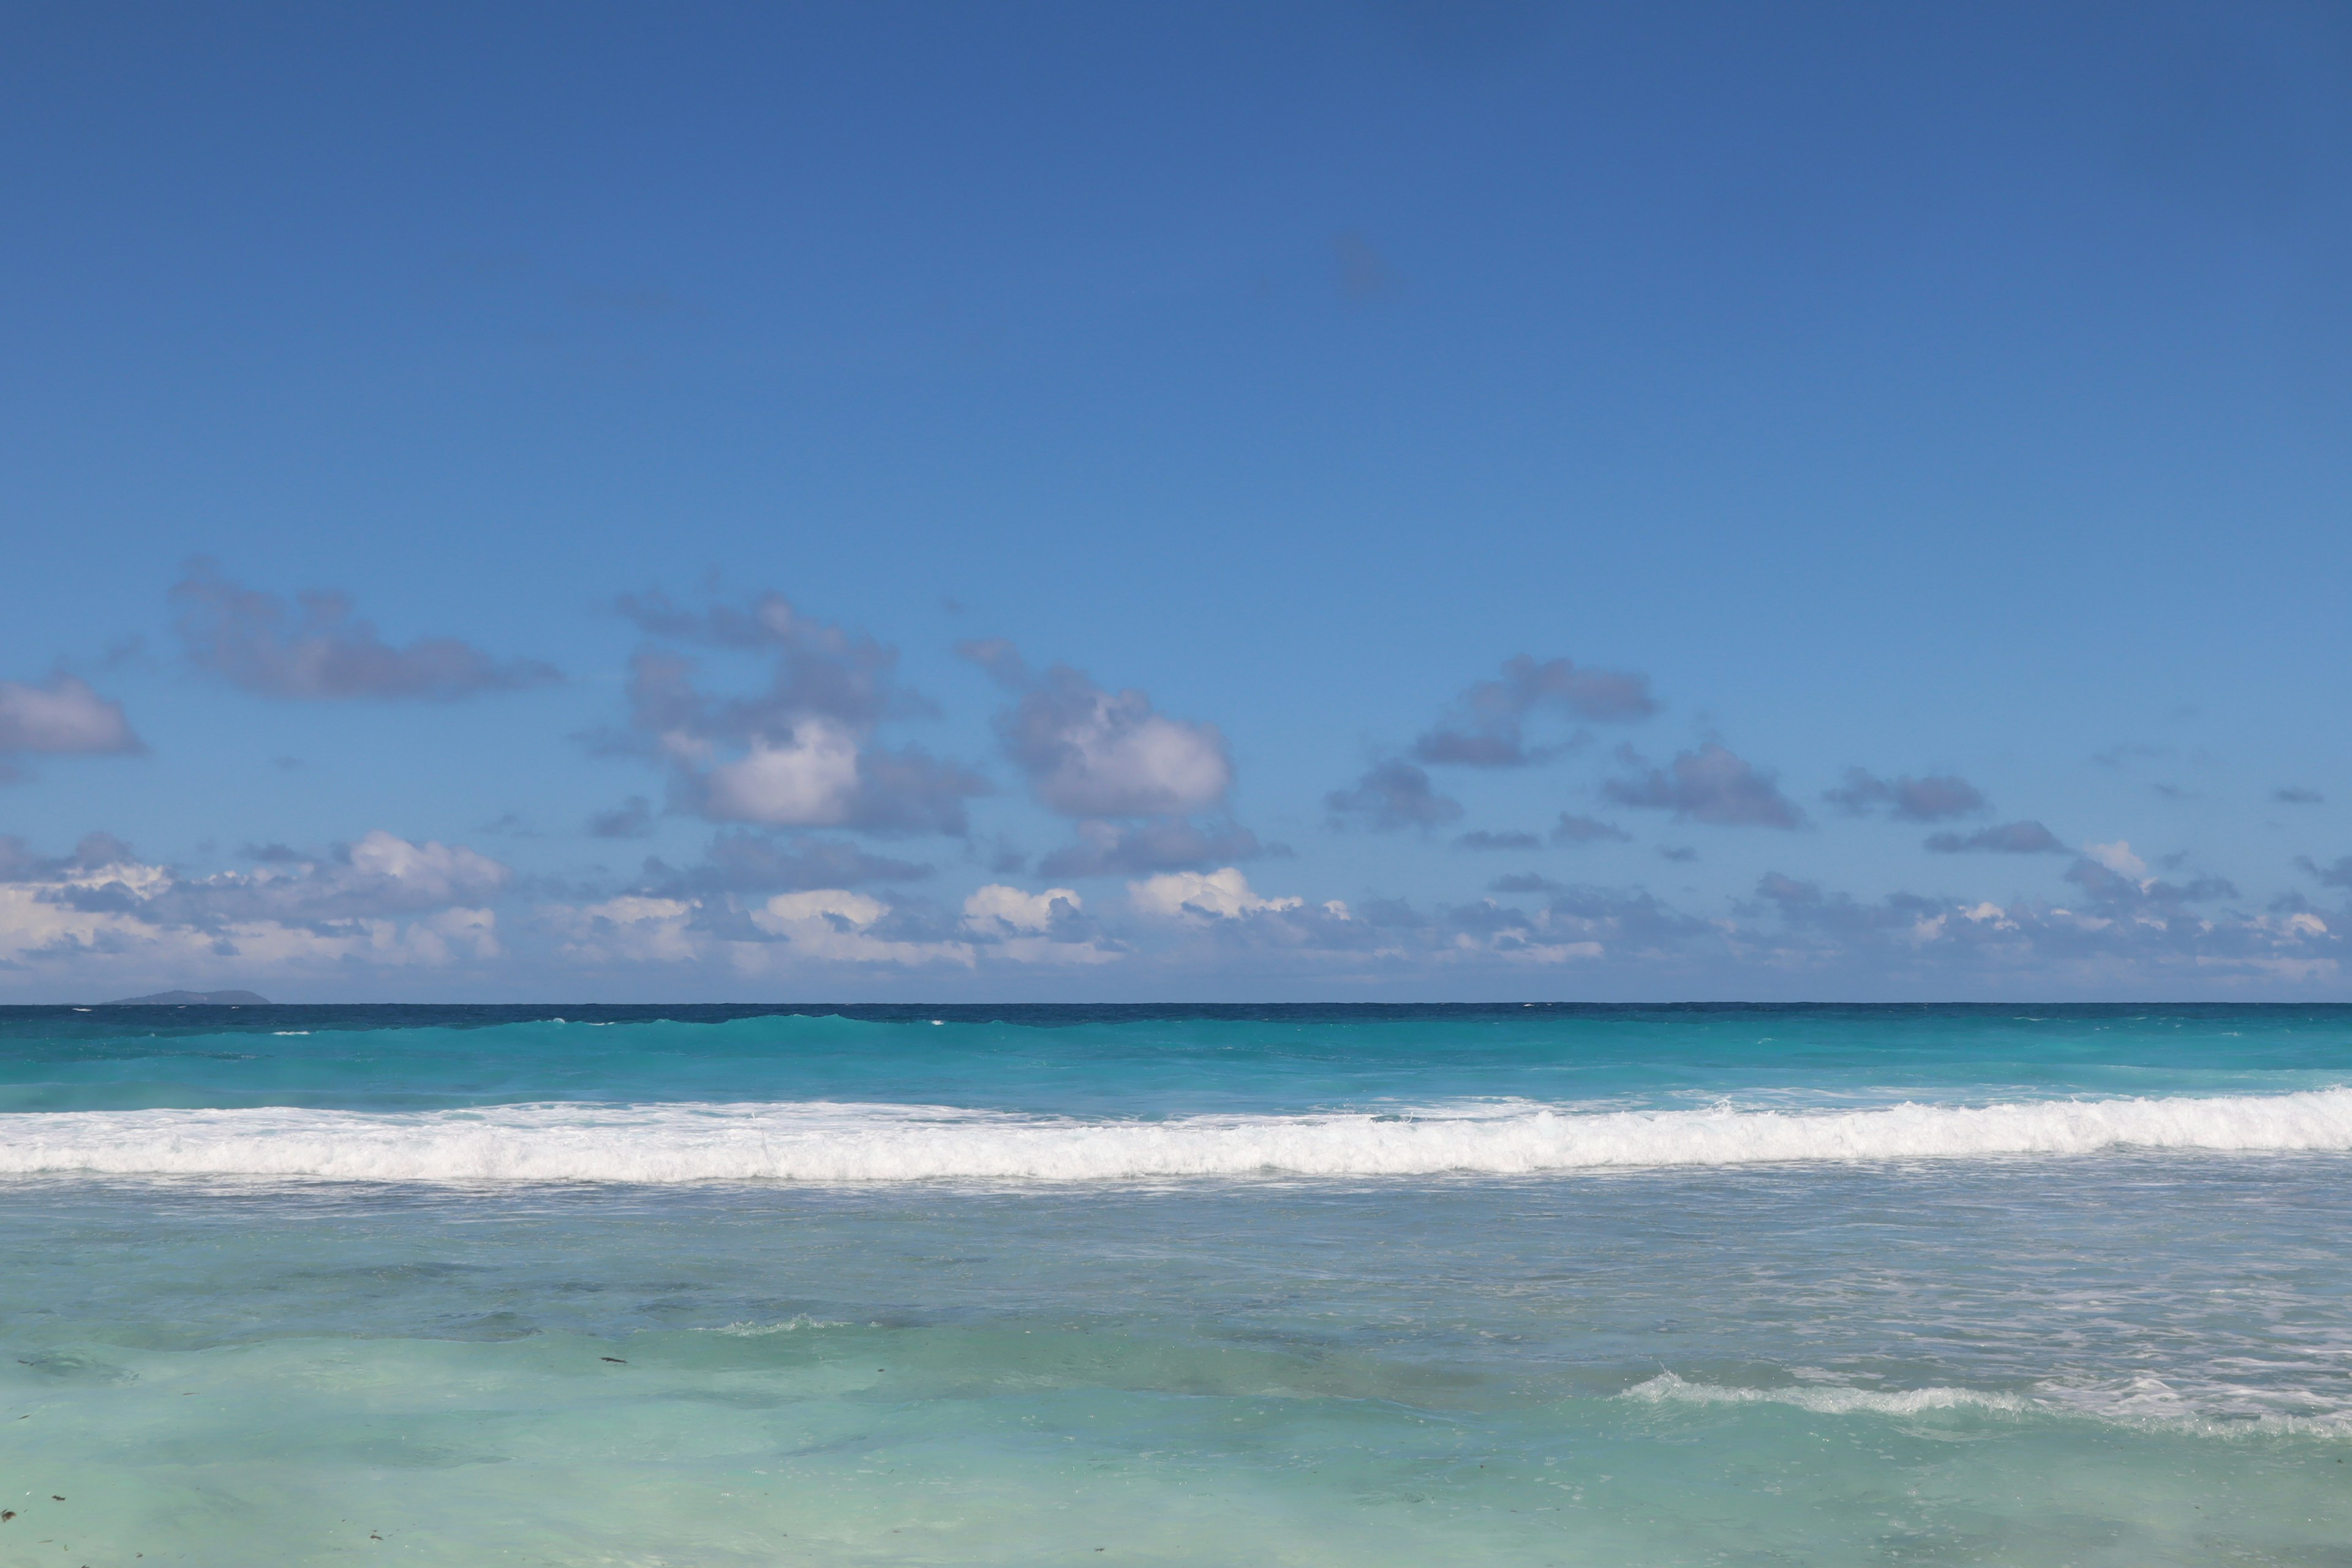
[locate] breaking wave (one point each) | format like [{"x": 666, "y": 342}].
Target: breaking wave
[
  {"x": 2145, "y": 1402},
  {"x": 820, "y": 1142}
]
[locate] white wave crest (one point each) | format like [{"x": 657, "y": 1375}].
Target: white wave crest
[
  {"x": 2143, "y": 1403},
  {"x": 753, "y": 1331},
  {"x": 1668, "y": 1389},
  {"x": 827, "y": 1142}
]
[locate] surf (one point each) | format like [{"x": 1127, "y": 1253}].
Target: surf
[{"x": 829, "y": 1142}]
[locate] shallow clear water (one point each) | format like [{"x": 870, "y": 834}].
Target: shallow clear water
[{"x": 2108, "y": 1349}]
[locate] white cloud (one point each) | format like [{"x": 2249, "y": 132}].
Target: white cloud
[
  {"x": 631, "y": 929},
  {"x": 810, "y": 782},
  {"x": 2118, "y": 857},
  {"x": 1092, "y": 753},
  {"x": 388, "y": 903},
  {"x": 834, "y": 923},
  {"x": 1020, "y": 910},
  {"x": 421, "y": 875},
  {"x": 1222, "y": 895},
  {"x": 1014, "y": 926},
  {"x": 1122, "y": 764}
]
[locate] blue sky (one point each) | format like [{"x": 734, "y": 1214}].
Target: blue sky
[{"x": 1095, "y": 501}]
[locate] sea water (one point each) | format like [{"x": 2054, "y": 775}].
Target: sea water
[{"x": 1322, "y": 1285}]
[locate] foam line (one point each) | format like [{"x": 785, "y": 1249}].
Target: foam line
[{"x": 828, "y": 1142}]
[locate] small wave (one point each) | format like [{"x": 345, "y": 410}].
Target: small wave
[
  {"x": 844, "y": 1144},
  {"x": 2126, "y": 1404},
  {"x": 1667, "y": 1388},
  {"x": 749, "y": 1330}
]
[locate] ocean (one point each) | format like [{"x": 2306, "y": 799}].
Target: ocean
[{"x": 1361, "y": 1284}]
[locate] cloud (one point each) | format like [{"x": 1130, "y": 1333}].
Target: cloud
[
  {"x": 1486, "y": 727},
  {"x": 814, "y": 930},
  {"x": 59, "y": 718},
  {"x": 379, "y": 875},
  {"x": 633, "y": 818},
  {"x": 1574, "y": 829},
  {"x": 808, "y": 779},
  {"x": 1710, "y": 785},
  {"x": 1391, "y": 795},
  {"x": 1483, "y": 840},
  {"x": 2295, "y": 794},
  {"x": 2008, "y": 838},
  {"x": 838, "y": 926},
  {"x": 1048, "y": 927},
  {"x": 1000, "y": 658},
  {"x": 1632, "y": 919},
  {"x": 1088, "y": 751},
  {"x": 1929, "y": 799},
  {"x": 95, "y": 851},
  {"x": 2116, "y": 857},
  {"x": 2115, "y": 879},
  {"x": 255, "y": 641},
  {"x": 1014, "y": 910},
  {"x": 381, "y": 902},
  {"x": 2123, "y": 936},
  {"x": 1522, "y": 882},
  {"x": 1683, "y": 852},
  {"x": 738, "y": 862},
  {"x": 1169, "y": 844},
  {"x": 1203, "y": 894},
  {"x": 800, "y": 752},
  {"x": 2339, "y": 875}
]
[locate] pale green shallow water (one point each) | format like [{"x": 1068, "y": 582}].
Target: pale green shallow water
[{"x": 2120, "y": 1357}]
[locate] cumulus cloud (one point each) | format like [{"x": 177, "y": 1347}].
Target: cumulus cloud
[
  {"x": 1391, "y": 795},
  {"x": 1009, "y": 909},
  {"x": 1048, "y": 927},
  {"x": 256, "y": 641},
  {"x": 2116, "y": 857},
  {"x": 1931, "y": 798},
  {"x": 60, "y": 717},
  {"x": 1089, "y": 751},
  {"x": 1483, "y": 840},
  {"x": 380, "y": 874},
  {"x": 800, "y": 752},
  {"x": 1487, "y": 725},
  {"x": 2008, "y": 838},
  {"x": 381, "y": 900},
  {"x": 822, "y": 928},
  {"x": 1574, "y": 829},
  {"x": 1203, "y": 894},
  {"x": 1710, "y": 785},
  {"x": 1167, "y": 844}
]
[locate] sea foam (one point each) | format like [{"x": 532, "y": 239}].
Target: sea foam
[{"x": 823, "y": 1141}]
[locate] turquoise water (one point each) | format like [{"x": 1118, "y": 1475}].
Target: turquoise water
[{"x": 1407, "y": 1285}]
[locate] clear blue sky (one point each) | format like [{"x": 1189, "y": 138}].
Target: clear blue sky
[{"x": 1959, "y": 394}]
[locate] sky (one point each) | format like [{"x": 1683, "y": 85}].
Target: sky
[{"x": 1357, "y": 502}]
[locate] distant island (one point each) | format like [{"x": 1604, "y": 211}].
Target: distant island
[{"x": 193, "y": 999}]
